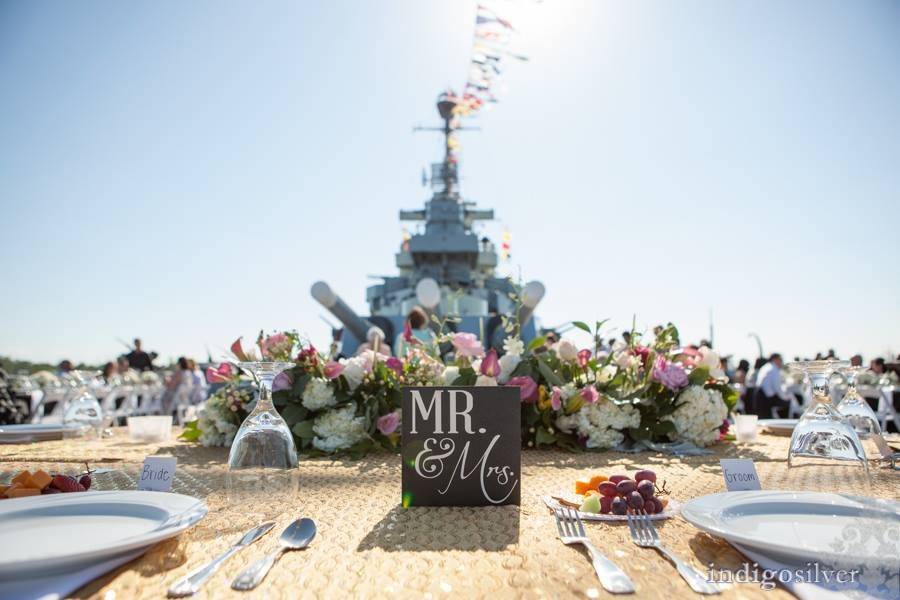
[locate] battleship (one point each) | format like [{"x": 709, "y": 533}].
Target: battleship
[{"x": 446, "y": 269}]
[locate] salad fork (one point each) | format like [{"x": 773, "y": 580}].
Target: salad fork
[
  {"x": 571, "y": 531},
  {"x": 643, "y": 534}
]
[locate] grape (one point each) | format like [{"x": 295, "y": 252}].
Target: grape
[
  {"x": 618, "y": 478},
  {"x": 646, "y": 489},
  {"x": 85, "y": 481},
  {"x": 625, "y": 487},
  {"x": 619, "y": 506},
  {"x": 608, "y": 489},
  {"x": 635, "y": 500},
  {"x": 605, "y": 505},
  {"x": 645, "y": 475},
  {"x": 64, "y": 483},
  {"x": 651, "y": 506}
]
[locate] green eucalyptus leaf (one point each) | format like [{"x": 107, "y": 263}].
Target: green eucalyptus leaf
[
  {"x": 537, "y": 343},
  {"x": 581, "y": 325}
]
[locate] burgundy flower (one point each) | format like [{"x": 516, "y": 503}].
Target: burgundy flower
[
  {"x": 394, "y": 364},
  {"x": 583, "y": 357},
  {"x": 490, "y": 364}
]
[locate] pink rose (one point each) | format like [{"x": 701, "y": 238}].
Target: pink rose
[
  {"x": 590, "y": 394},
  {"x": 238, "y": 350},
  {"x": 333, "y": 369},
  {"x": 467, "y": 344},
  {"x": 393, "y": 363},
  {"x": 387, "y": 424},
  {"x": 556, "y": 398},
  {"x": 281, "y": 382},
  {"x": 490, "y": 364},
  {"x": 220, "y": 375},
  {"x": 527, "y": 387}
]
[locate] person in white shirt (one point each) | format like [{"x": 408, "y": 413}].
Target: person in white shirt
[{"x": 769, "y": 393}]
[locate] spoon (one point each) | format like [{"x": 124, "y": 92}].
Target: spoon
[{"x": 296, "y": 536}]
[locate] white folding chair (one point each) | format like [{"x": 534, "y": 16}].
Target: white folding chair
[{"x": 886, "y": 411}]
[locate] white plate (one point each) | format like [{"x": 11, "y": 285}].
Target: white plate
[
  {"x": 33, "y": 432},
  {"x": 63, "y": 532},
  {"x": 778, "y": 425},
  {"x": 671, "y": 510},
  {"x": 802, "y": 526}
]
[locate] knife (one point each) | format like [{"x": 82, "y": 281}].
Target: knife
[{"x": 189, "y": 584}]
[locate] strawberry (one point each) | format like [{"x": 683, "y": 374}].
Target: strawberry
[
  {"x": 85, "y": 481},
  {"x": 64, "y": 483}
]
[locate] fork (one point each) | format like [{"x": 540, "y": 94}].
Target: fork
[
  {"x": 643, "y": 533},
  {"x": 571, "y": 531}
]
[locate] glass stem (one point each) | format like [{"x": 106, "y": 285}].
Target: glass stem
[{"x": 265, "y": 393}]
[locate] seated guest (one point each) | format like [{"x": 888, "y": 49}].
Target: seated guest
[
  {"x": 877, "y": 366},
  {"x": 856, "y": 360},
  {"x": 110, "y": 370},
  {"x": 769, "y": 394},
  {"x": 740, "y": 374}
]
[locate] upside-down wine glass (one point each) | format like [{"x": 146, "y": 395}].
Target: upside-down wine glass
[
  {"x": 82, "y": 412},
  {"x": 262, "y": 465},
  {"x": 822, "y": 433}
]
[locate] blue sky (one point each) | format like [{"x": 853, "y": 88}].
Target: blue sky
[{"x": 185, "y": 171}]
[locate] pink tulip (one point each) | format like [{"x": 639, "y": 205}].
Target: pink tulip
[
  {"x": 556, "y": 398},
  {"x": 467, "y": 344},
  {"x": 583, "y": 357},
  {"x": 387, "y": 424},
  {"x": 281, "y": 382},
  {"x": 332, "y": 369},
  {"x": 527, "y": 387},
  {"x": 393, "y": 363},
  {"x": 238, "y": 351},
  {"x": 590, "y": 394},
  {"x": 490, "y": 364}
]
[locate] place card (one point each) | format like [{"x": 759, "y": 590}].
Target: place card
[
  {"x": 461, "y": 446},
  {"x": 157, "y": 474},
  {"x": 740, "y": 474}
]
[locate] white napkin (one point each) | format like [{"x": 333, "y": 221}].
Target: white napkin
[
  {"x": 60, "y": 585},
  {"x": 814, "y": 591}
]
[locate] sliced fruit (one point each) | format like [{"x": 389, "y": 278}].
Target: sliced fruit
[
  {"x": 591, "y": 504},
  {"x": 41, "y": 479},
  {"x": 591, "y": 493},
  {"x": 596, "y": 480},
  {"x": 582, "y": 486},
  {"x": 22, "y": 478},
  {"x": 22, "y": 492}
]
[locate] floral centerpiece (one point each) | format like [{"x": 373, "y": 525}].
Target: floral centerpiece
[{"x": 578, "y": 399}]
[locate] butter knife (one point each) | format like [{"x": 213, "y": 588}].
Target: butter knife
[{"x": 189, "y": 584}]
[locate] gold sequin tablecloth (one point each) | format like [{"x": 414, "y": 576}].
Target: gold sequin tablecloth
[{"x": 368, "y": 546}]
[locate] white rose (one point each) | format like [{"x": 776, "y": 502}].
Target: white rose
[
  {"x": 355, "y": 368},
  {"x": 508, "y": 364},
  {"x": 485, "y": 381},
  {"x": 566, "y": 351},
  {"x": 606, "y": 374},
  {"x": 449, "y": 375},
  {"x": 711, "y": 361}
]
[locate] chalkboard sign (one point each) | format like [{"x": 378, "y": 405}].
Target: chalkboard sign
[{"x": 461, "y": 446}]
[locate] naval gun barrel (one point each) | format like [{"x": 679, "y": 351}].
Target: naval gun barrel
[
  {"x": 532, "y": 294},
  {"x": 323, "y": 293}
]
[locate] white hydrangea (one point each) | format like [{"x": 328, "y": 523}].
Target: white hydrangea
[
  {"x": 318, "y": 394},
  {"x": 215, "y": 428},
  {"x": 508, "y": 364},
  {"x": 699, "y": 415},
  {"x": 513, "y": 346},
  {"x": 338, "y": 429},
  {"x": 449, "y": 375},
  {"x": 356, "y": 368},
  {"x": 601, "y": 423}
]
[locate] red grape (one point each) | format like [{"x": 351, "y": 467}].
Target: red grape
[
  {"x": 618, "y": 478},
  {"x": 645, "y": 475},
  {"x": 608, "y": 489},
  {"x": 619, "y": 506},
  {"x": 85, "y": 481},
  {"x": 64, "y": 483},
  {"x": 625, "y": 487},
  {"x": 646, "y": 488},
  {"x": 605, "y": 505},
  {"x": 635, "y": 500}
]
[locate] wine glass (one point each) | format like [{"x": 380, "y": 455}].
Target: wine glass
[
  {"x": 855, "y": 408},
  {"x": 82, "y": 411},
  {"x": 822, "y": 434},
  {"x": 263, "y": 459}
]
